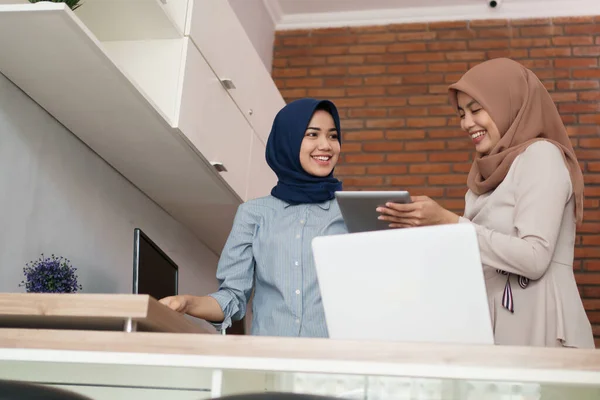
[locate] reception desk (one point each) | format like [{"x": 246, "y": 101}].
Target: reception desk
[{"x": 147, "y": 365}]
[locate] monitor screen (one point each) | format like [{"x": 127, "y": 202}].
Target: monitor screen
[{"x": 154, "y": 273}]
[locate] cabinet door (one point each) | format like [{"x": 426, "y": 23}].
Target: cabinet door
[
  {"x": 223, "y": 41},
  {"x": 211, "y": 121},
  {"x": 261, "y": 178}
]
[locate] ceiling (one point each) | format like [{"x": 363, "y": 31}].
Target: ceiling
[{"x": 300, "y": 14}]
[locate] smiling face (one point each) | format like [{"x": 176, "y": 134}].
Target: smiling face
[
  {"x": 320, "y": 149},
  {"x": 477, "y": 123}
]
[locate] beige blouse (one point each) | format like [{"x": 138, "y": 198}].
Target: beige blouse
[{"x": 526, "y": 227}]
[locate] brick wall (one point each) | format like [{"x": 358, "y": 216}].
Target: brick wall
[{"x": 390, "y": 85}]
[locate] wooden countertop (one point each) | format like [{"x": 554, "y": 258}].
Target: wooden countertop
[{"x": 90, "y": 311}]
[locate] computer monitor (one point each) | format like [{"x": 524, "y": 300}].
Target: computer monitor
[{"x": 154, "y": 273}]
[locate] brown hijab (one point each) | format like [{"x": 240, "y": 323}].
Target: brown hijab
[{"x": 524, "y": 113}]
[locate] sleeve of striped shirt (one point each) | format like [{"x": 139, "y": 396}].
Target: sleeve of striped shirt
[{"x": 235, "y": 271}]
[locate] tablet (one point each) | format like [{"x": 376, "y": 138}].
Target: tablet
[{"x": 358, "y": 208}]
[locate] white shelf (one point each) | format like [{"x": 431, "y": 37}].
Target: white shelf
[
  {"x": 53, "y": 57},
  {"x": 134, "y": 19}
]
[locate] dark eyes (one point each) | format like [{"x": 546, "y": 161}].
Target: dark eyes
[
  {"x": 472, "y": 112},
  {"x": 333, "y": 135}
]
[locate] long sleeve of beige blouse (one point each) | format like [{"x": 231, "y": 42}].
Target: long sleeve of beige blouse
[{"x": 542, "y": 189}]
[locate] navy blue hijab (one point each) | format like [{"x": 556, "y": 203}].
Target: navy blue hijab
[{"x": 295, "y": 185}]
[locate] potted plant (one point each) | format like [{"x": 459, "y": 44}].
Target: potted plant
[
  {"x": 73, "y": 4},
  {"x": 50, "y": 275}
]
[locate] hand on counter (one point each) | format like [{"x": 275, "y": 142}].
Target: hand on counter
[{"x": 204, "y": 307}]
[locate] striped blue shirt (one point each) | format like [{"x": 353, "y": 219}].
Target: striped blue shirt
[{"x": 269, "y": 250}]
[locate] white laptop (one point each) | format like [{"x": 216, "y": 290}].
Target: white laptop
[{"x": 412, "y": 285}]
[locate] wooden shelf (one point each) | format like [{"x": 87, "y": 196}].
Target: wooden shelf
[
  {"x": 90, "y": 312},
  {"x": 55, "y": 59}
]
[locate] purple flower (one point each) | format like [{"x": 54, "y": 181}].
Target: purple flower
[{"x": 50, "y": 275}]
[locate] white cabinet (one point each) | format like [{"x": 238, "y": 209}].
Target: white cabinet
[
  {"x": 222, "y": 40},
  {"x": 210, "y": 119},
  {"x": 127, "y": 79}
]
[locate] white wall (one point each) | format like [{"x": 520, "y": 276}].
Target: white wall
[
  {"x": 259, "y": 27},
  {"x": 57, "y": 196}
]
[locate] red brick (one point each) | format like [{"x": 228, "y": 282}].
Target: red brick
[
  {"x": 386, "y": 123},
  {"x": 586, "y": 51},
  {"x": 407, "y": 180},
  {"x": 572, "y": 20},
  {"x": 408, "y": 27},
  {"x": 326, "y": 93},
  {"x": 589, "y": 143},
  {"x": 572, "y": 40},
  {"x": 442, "y": 110},
  {"x": 407, "y": 68},
  {"x": 457, "y": 34},
  {"x": 424, "y": 57},
  {"x": 364, "y": 181},
  {"x": 389, "y": 80},
  {"x": 346, "y": 81},
  {"x": 494, "y": 33},
  {"x": 530, "y": 42},
  {"x": 406, "y": 157},
  {"x": 366, "y": 70},
  {"x": 404, "y": 134},
  {"x": 489, "y": 44},
  {"x": 368, "y": 49},
  {"x": 407, "y": 89},
  {"x": 289, "y": 72},
  {"x": 449, "y": 67},
  {"x": 551, "y": 52},
  {"x": 364, "y": 158},
  {"x": 377, "y": 38},
  {"x": 429, "y": 168},
  {"x": 449, "y": 156},
  {"x": 292, "y": 93},
  {"x": 387, "y": 170},
  {"x": 408, "y": 112},
  {"x": 426, "y": 122},
  {"x": 486, "y": 23},
  {"x": 424, "y": 78},
  {"x": 387, "y": 58},
  {"x": 455, "y": 179},
  {"x": 306, "y": 61},
  {"x": 550, "y": 30},
  {"x": 368, "y": 112},
  {"x": 582, "y": 29},
  {"x": 593, "y": 166},
  {"x": 589, "y": 96},
  {"x": 578, "y": 107},
  {"x": 465, "y": 55},
  {"x": 462, "y": 167},
  {"x": 329, "y": 51},
  {"x": 345, "y": 60},
  {"x": 426, "y": 145},
  {"x": 427, "y": 100},
  {"x": 416, "y": 36},
  {"x": 326, "y": 71},
  {"x": 510, "y": 53},
  {"x": 386, "y": 101},
  {"x": 448, "y": 25},
  {"x": 363, "y": 135},
  {"x": 576, "y": 63},
  {"x": 406, "y": 47},
  {"x": 366, "y": 91},
  {"x": 559, "y": 97},
  {"x": 577, "y": 85},
  {"x": 350, "y": 170},
  {"x": 383, "y": 147},
  {"x": 589, "y": 119},
  {"x": 444, "y": 46}
]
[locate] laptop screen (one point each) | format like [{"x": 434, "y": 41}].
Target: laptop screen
[{"x": 154, "y": 273}]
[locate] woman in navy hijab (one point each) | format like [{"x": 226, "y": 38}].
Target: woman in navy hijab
[{"x": 269, "y": 248}]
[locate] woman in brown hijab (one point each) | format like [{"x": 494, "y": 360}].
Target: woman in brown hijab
[{"x": 525, "y": 199}]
